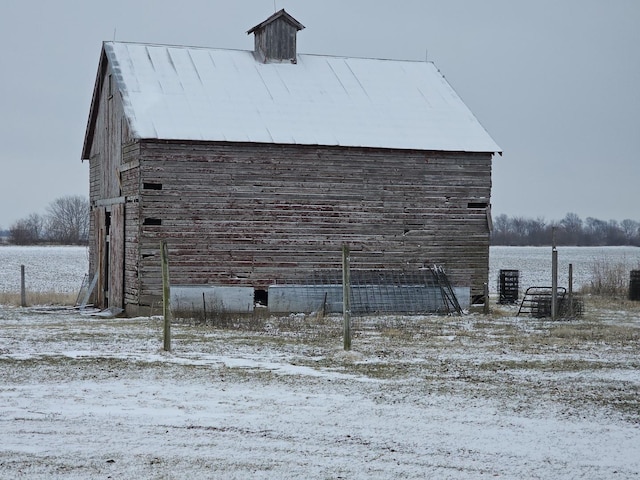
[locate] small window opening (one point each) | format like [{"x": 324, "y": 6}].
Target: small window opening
[
  {"x": 477, "y": 205},
  {"x": 261, "y": 298},
  {"x": 152, "y": 221},
  {"x": 151, "y": 186}
]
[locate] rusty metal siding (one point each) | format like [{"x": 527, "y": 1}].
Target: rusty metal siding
[{"x": 255, "y": 214}]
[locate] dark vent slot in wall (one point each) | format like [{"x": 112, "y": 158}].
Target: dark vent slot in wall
[
  {"x": 151, "y": 186},
  {"x": 477, "y": 205},
  {"x": 261, "y": 297},
  {"x": 152, "y": 221}
]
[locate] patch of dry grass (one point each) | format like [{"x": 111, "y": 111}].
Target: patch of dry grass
[
  {"x": 39, "y": 298},
  {"x": 611, "y": 302},
  {"x": 596, "y": 332},
  {"x": 610, "y": 279}
]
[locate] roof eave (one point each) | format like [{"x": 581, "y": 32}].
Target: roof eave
[{"x": 93, "y": 110}]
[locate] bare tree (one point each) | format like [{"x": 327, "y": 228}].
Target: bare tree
[
  {"x": 19, "y": 233},
  {"x": 68, "y": 220},
  {"x": 27, "y": 231},
  {"x": 571, "y": 229},
  {"x": 501, "y": 230},
  {"x": 631, "y": 230},
  {"x": 35, "y": 223}
]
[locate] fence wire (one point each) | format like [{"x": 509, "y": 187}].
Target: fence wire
[{"x": 372, "y": 292}]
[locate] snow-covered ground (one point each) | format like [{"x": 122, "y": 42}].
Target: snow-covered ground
[
  {"x": 417, "y": 397},
  {"x": 47, "y": 269},
  {"x": 534, "y": 263}
]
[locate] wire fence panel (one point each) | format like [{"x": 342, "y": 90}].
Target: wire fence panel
[{"x": 372, "y": 291}]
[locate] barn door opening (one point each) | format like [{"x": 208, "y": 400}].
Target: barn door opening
[
  {"x": 105, "y": 260},
  {"x": 109, "y": 257},
  {"x": 99, "y": 250}
]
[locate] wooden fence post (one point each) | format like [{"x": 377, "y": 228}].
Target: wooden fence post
[
  {"x": 346, "y": 296},
  {"x": 23, "y": 291},
  {"x": 166, "y": 293},
  {"x": 554, "y": 275},
  {"x": 554, "y": 283}
]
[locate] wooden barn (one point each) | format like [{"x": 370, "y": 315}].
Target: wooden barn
[{"x": 257, "y": 166}]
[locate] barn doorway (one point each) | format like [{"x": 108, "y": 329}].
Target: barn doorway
[{"x": 109, "y": 222}]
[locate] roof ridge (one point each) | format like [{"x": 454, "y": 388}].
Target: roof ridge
[{"x": 322, "y": 55}]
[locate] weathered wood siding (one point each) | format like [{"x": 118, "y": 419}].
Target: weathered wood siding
[
  {"x": 276, "y": 41},
  {"x": 116, "y": 256},
  {"x": 255, "y": 214},
  {"x": 130, "y": 175},
  {"x": 106, "y": 149},
  {"x": 110, "y": 132}
]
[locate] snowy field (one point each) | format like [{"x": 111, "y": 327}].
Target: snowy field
[
  {"x": 534, "y": 263},
  {"x": 420, "y": 397},
  {"x": 61, "y": 269},
  {"x": 476, "y": 396},
  {"x": 47, "y": 269}
]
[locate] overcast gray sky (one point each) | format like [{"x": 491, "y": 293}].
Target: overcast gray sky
[{"x": 555, "y": 82}]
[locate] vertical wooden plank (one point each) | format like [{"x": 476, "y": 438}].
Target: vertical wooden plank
[
  {"x": 554, "y": 275},
  {"x": 116, "y": 257},
  {"x": 554, "y": 283},
  {"x": 571, "y": 290},
  {"x": 23, "y": 293},
  {"x": 486, "y": 298},
  {"x": 166, "y": 294},
  {"x": 346, "y": 296}
]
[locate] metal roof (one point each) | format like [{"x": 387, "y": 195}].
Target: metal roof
[{"x": 189, "y": 93}]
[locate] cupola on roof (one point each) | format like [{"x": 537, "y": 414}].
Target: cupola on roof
[{"x": 275, "y": 38}]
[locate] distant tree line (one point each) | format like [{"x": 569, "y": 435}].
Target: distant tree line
[
  {"x": 571, "y": 230},
  {"x": 65, "y": 222}
]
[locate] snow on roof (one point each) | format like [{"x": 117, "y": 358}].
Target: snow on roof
[{"x": 188, "y": 93}]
